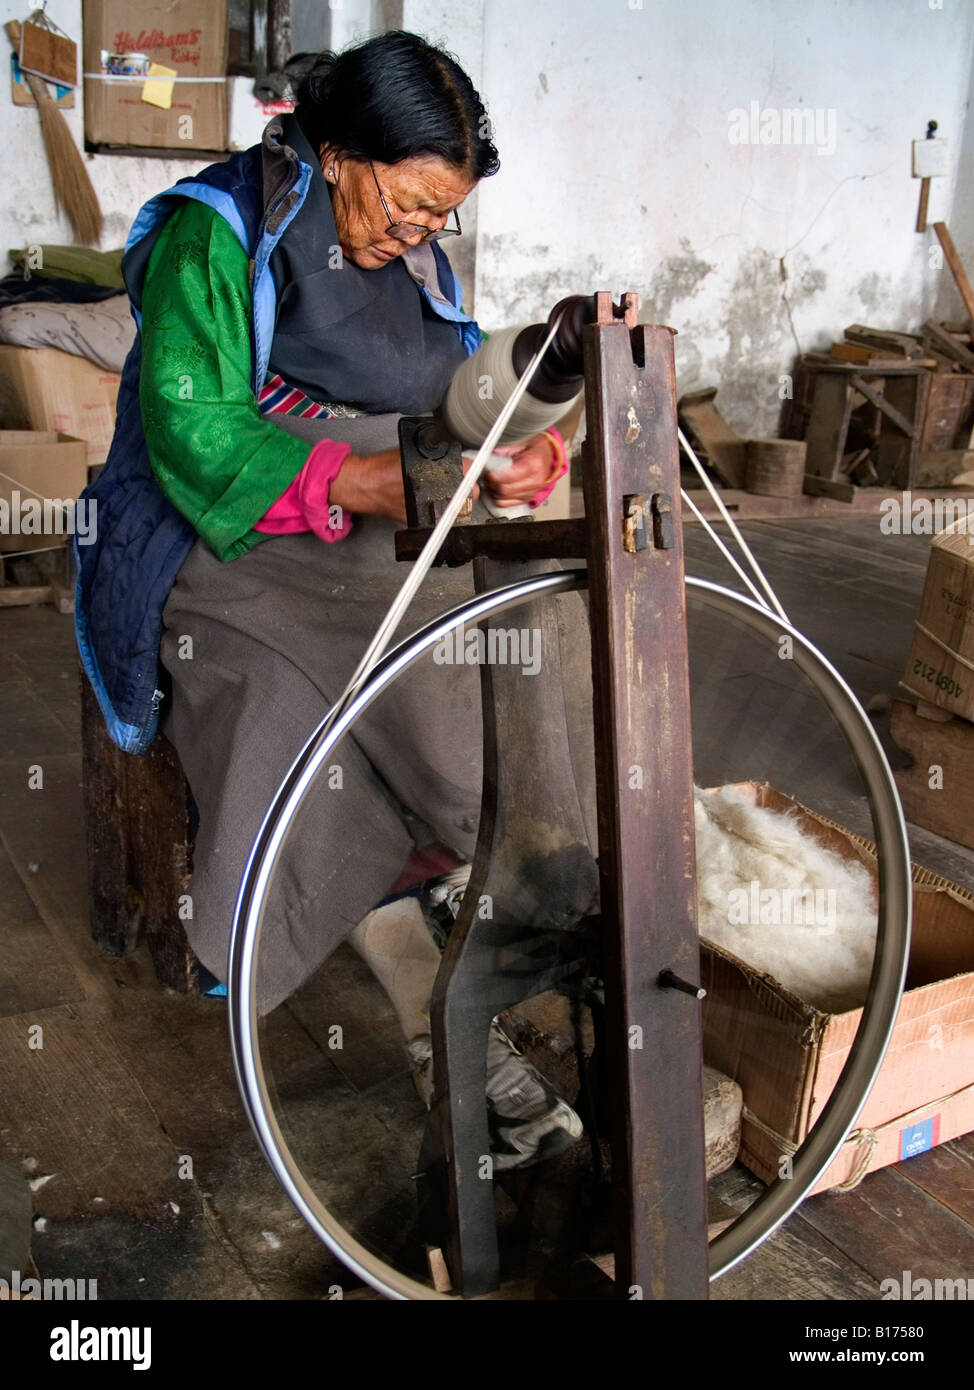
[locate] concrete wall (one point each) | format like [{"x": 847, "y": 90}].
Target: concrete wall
[
  {"x": 27, "y": 212},
  {"x": 122, "y": 183},
  {"x": 619, "y": 170}
]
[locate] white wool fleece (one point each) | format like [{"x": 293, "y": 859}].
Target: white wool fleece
[{"x": 775, "y": 898}]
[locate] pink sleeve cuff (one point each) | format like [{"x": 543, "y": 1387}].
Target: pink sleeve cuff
[
  {"x": 558, "y": 469},
  {"x": 305, "y": 506}
]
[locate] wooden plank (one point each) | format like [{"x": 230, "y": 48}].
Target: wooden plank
[
  {"x": 43, "y": 833},
  {"x": 947, "y": 810},
  {"x": 823, "y": 363},
  {"x": 187, "y": 1074},
  {"x": 32, "y": 735},
  {"x": 828, "y": 425},
  {"x": 723, "y": 447},
  {"x": 896, "y": 453},
  {"x": 784, "y": 551},
  {"x": 872, "y": 358},
  {"x": 646, "y": 835},
  {"x": 949, "y": 415},
  {"x": 851, "y": 548},
  {"x": 835, "y": 488},
  {"x": 956, "y": 267},
  {"x": 852, "y": 352},
  {"x": 948, "y": 344},
  {"x": 18, "y": 595},
  {"x": 184, "y": 1254},
  {"x": 235, "y": 1223},
  {"x": 903, "y": 345},
  {"x": 876, "y": 398},
  {"x": 796, "y": 1264}
]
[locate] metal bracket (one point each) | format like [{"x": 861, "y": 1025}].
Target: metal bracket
[
  {"x": 662, "y": 509},
  {"x": 633, "y": 523},
  {"x": 432, "y": 466}
]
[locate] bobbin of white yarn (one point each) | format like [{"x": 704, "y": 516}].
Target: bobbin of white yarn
[{"x": 481, "y": 386}]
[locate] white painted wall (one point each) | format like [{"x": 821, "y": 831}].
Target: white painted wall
[
  {"x": 27, "y": 212},
  {"x": 122, "y": 183},
  {"x": 612, "y": 122},
  {"x": 618, "y": 173}
]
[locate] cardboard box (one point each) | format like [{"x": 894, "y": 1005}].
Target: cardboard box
[
  {"x": 36, "y": 462},
  {"x": 787, "y": 1055},
  {"x": 127, "y": 103},
  {"x": 940, "y": 667},
  {"x": 46, "y": 389}
]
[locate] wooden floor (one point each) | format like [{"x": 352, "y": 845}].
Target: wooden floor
[{"x": 123, "y": 1114}]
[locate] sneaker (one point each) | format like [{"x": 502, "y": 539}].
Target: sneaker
[
  {"x": 527, "y": 1120},
  {"x": 441, "y": 902}
]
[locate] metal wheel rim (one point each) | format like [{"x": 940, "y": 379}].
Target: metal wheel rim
[{"x": 828, "y": 1134}]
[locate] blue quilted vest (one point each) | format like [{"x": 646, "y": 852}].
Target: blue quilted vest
[{"x": 125, "y": 575}]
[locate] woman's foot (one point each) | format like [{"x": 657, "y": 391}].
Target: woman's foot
[{"x": 528, "y": 1121}]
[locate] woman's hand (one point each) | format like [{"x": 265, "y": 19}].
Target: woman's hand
[
  {"x": 370, "y": 484},
  {"x": 533, "y": 462}
]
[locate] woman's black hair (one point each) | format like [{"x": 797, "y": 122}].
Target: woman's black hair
[{"x": 394, "y": 97}]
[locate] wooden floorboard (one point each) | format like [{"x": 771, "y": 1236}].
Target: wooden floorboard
[
  {"x": 889, "y": 1224},
  {"x": 72, "y": 1106},
  {"x": 795, "y": 1263},
  {"x": 345, "y": 995},
  {"x": 946, "y": 1173},
  {"x": 34, "y": 973},
  {"x": 857, "y": 542}
]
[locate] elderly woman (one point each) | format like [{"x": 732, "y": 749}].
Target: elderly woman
[{"x": 293, "y": 302}]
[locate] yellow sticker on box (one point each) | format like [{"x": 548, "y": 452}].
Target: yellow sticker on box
[{"x": 159, "y": 92}]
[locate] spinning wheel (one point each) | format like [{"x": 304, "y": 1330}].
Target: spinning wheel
[{"x": 670, "y": 1260}]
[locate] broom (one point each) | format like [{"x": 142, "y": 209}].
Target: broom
[{"x": 72, "y": 186}]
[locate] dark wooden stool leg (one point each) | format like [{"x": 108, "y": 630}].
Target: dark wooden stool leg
[{"x": 138, "y": 814}]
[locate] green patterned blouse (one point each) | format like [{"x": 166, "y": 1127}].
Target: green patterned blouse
[{"x": 218, "y": 460}]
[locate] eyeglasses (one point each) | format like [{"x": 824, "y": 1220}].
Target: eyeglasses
[{"x": 406, "y": 231}]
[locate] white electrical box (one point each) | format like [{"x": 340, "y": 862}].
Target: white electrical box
[{"x": 929, "y": 158}]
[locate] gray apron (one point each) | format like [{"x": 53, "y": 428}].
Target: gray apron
[{"x": 275, "y": 636}]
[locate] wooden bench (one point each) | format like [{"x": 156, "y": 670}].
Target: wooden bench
[{"x": 139, "y": 827}]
